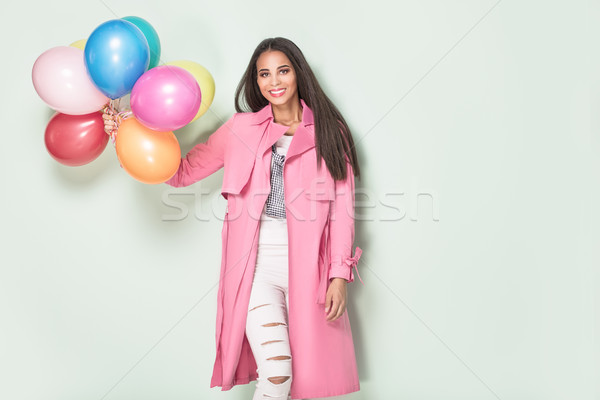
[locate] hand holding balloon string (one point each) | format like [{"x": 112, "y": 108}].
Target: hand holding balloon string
[{"x": 113, "y": 118}]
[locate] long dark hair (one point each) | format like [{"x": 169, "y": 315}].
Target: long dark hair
[{"x": 333, "y": 138}]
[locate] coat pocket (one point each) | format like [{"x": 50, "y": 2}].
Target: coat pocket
[
  {"x": 220, "y": 293},
  {"x": 324, "y": 258}
]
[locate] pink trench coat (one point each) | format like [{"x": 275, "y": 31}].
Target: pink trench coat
[{"x": 320, "y": 219}]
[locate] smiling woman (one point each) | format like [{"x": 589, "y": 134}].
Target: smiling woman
[
  {"x": 276, "y": 78},
  {"x": 287, "y": 234},
  {"x": 334, "y": 143}
]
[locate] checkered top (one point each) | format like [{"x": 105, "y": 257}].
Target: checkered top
[{"x": 275, "y": 206}]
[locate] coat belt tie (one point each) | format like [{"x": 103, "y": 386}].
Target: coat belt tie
[{"x": 351, "y": 262}]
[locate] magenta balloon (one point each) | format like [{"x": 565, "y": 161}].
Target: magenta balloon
[
  {"x": 165, "y": 98},
  {"x": 75, "y": 140},
  {"x": 60, "y": 78}
]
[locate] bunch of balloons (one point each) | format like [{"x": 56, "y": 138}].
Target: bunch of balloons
[{"x": 120, "y": 58}]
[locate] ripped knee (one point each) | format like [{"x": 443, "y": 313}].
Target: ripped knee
[
  {"x": 274, "y": 324},
  {"x": 280, "y": 358},
  {"x": 262, "y": 305},
  {"x": 278, "y": 380},
  {"x": 271, "y": 341}
]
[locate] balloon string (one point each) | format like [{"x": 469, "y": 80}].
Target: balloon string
[
  {"x": 112, "y": 113},
  {"x": 122, "y": 116}
]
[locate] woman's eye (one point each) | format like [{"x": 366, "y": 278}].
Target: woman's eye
[{"x": 265, "y": 74}]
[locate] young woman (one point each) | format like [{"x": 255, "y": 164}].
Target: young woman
[{"x": 288, "y": 232}]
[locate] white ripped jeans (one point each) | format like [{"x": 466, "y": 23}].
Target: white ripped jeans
[{"x": 267, "y": 321}]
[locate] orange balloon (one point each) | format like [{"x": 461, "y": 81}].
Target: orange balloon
[{"x": 148, "y": 156}]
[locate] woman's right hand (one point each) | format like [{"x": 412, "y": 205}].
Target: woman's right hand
[{"x": 110, "y": 121}]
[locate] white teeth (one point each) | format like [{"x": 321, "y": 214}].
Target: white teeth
[{"x": 277, "y": 92}]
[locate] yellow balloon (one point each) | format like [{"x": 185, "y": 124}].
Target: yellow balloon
[
  {"x": 80, "y": 44},
  {"x": 204, "y": 79}
]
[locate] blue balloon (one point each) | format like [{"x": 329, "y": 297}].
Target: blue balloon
[
  {"x": 151, "y": 36},
  {"x": 116, "y": 55}
]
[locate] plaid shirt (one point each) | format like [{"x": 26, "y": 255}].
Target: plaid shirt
[{"x": 275, "y": 202}]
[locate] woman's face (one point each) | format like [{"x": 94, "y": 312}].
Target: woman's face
[{"x": 276, "y": 78}]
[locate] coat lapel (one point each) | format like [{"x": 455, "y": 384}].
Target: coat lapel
[
  {"x": 254, "y": 147},
  {"x": 303, "y": 140}
]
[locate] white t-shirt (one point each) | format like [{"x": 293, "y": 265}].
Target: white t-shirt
[{"x": 274, "y": 230}]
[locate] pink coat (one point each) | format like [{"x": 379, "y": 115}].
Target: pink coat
[{"x": 320, "y": 219}]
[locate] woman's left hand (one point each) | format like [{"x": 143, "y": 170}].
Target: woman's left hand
[{"x": 335, "y": 300}]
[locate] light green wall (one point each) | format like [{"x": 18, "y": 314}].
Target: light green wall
[{"x": 479, "y": 284}]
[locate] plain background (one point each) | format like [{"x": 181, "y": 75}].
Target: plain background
[{"x": 476, "y": 124}]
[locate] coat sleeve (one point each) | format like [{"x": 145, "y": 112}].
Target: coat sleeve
[
  {"x": 341, "y": 230},
  {"x": 205, "y": 158}
]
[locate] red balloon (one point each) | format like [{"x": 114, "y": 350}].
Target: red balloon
[{"x": 75, "y": 140}]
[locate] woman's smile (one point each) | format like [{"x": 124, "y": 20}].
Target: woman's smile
[{"x": 277, "y": 92}]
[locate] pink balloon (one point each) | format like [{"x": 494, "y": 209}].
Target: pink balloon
[
  {"x": 75, "y": 140},
  {"x": 165, "y": 98},
  {"x": 60, "y": 78}
]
